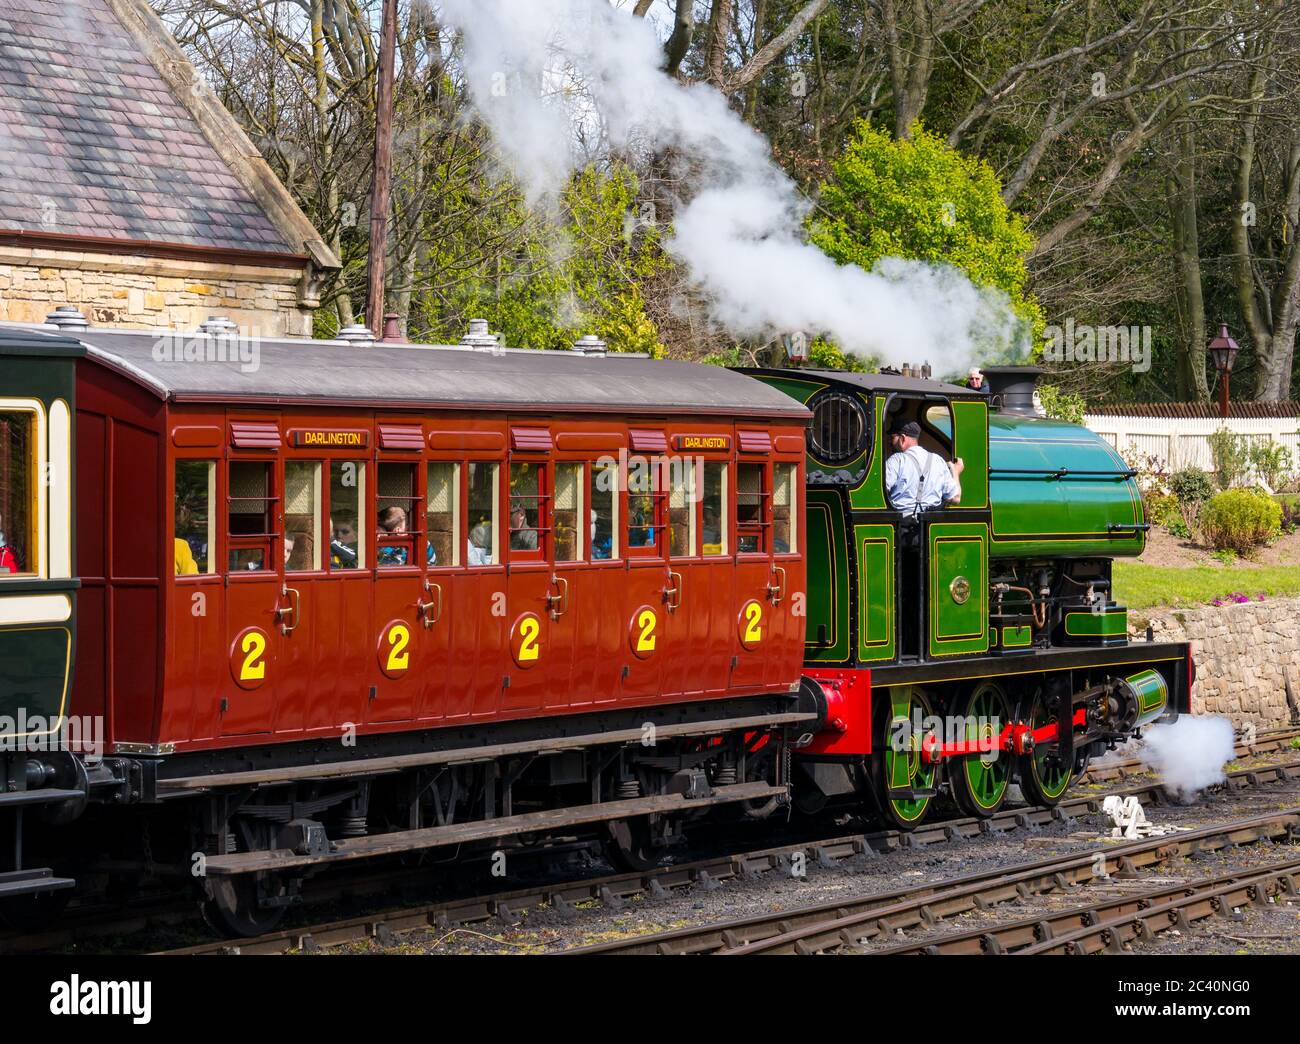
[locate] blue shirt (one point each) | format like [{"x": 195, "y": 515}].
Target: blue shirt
[{"x": 918, "y": 480}]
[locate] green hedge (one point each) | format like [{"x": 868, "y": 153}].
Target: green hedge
[{"x": 1240, "y": 520}]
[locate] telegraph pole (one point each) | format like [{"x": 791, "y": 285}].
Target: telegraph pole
[{"x": 383, "y": 171}]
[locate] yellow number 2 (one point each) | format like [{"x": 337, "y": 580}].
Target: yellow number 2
[
  {"x": 399, "y": 637},
  {"x": 529, "y": 630},
  {"x": 753, "y": 623},
  {"x": 254, "y": 648},
  {"x": 645, "y": 641}
]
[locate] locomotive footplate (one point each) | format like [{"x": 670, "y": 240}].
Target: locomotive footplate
[{"x": 33, "y": 881}]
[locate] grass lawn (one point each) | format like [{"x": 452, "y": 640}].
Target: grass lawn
[{"x": 1142, "y": 586}]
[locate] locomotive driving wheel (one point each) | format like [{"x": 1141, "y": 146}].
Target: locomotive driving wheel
[
  {"x": 233, "y": 907},
  {"x": 1044, "y": 777},
  {"x": 899, "y": 764},
  {"x": 979, "y": 781}
]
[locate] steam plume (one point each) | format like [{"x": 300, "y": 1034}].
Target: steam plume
[
  {"x": 551, "y": 77},
  {"x": 1189, "y": 754}
]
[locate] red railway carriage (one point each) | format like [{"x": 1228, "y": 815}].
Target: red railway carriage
[{"x": 339, "y": 601}]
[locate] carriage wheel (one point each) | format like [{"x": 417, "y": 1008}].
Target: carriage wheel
[
  {"x": 629, "y": 846},
  {"x": 1044, "y": 779},
  {"x": 979, "y": 785},
  {"x": 903, "y": 767},
  {"x": 231, "y": 906}
]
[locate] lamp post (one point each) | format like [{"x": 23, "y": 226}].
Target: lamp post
[{"x": 1223, "y": 350}]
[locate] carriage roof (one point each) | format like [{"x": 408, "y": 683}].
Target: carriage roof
[{"x": 306, "y": 372}]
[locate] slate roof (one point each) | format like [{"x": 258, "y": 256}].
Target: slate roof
[{"x": 93, "y": 142}]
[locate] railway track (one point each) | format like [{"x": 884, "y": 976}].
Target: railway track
[
  {"x": 825, "y": 927},
  {"x": 616, "y": 890}
]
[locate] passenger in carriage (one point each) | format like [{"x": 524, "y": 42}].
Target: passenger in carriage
[
  {"x": 480, "y": 545},
  {"x": 343, "y": 543},
  {"x": 8, "y": 555},
  {"x": 392, "y": 520},
  {"x": 522, "y": 536}
]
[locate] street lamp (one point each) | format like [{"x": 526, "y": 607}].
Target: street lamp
[{"x": 1223, "y": 350}]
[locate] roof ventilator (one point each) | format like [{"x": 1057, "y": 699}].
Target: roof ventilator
[
  {"x": 590, "y": 344},
  {"x": 479, "y": 338},
  {"x": 217, "y": 325},
  {"x": 357, "y": 334},
  {"x": 66, "y": 317}
]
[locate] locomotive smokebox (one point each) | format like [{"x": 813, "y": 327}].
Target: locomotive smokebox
[{"x": 1012, "y": 388}]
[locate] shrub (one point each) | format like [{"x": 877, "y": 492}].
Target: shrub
[
  {"x": 1231, "y": 456},
  {"x": 1062, "y": 405},
  {"x": 1239, "y": 520},
  {"x": 1164, "y": 510},
  {"x": 1271, "y": 461},
  {"x": 1191, "y": 484}
]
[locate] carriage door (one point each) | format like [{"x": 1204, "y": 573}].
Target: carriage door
[
  {"x": 255, "y": 605},
  {"x": 302, "y": 665},
  {"x": 757, "y": 582},
  {"x": 533, "y": 597},
  {"x": 651, "y": 589},
  {"x": 400, "y": 555},
  {"x": 698, "y": 623}
]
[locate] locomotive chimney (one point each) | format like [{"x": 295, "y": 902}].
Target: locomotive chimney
[{"x": 1012, "y": 388}]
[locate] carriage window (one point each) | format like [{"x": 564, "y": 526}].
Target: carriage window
[
  {"x": 681, "y": 506},
  {"x": 195, "y": 535},
  {"x": 251, "y": 510},
  {"x": 527, "y": 506},
  {"x": 17, "y": 474},
  {"x": 641, "y": 495},
  {"x": 442, "y": 519},
  {"x": 301, "y": 516},
  {"x": 568, "y": 512},
  {"x": 750, "y": 508},
  {"x": 347, "y": 494},
  {"x": 482, "y": 514},
  {"x": 604, "y": 511},
  {"x": 397, "y": 504},
  {"x": 784, "y": 509},
  {"x": 715, "y": 508}
]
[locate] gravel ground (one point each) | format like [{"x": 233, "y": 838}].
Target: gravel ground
[{"x": 545, "y": 930}]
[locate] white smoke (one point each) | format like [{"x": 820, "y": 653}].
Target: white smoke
[
  {"x": 561, "y": 82},
  {"x": 1190, "y": 753}
]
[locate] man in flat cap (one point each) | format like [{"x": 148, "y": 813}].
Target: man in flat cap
[{"x": 915, "y": 479}]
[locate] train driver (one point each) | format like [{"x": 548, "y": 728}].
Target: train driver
[{"x": 917, "y": 480}]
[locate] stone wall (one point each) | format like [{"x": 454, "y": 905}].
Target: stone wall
[
  {"x": 149, "y": 293},
  {"x": 1243, "y": 655}
]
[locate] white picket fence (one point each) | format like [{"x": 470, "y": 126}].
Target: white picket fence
[{"x": 1181, "y": 442}]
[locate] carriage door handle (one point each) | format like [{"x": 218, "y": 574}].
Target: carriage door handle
[
  {"x": 776, "y": 591},
  {"x": 558, "y": 603},
  {"x": 673, "y": 592},
  {"x": 294, "y": 597},
  {"x": 435, "y": 604}
]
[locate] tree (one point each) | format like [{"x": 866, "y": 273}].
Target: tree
[{"x": 918, "y": 199}]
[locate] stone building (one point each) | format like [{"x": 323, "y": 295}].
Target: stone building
[{"x": 128, "y": 191}]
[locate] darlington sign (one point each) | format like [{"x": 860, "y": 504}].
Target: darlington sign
[
  {"x": 329, "y": 439},
  {"x": 702, "y": 442}
]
